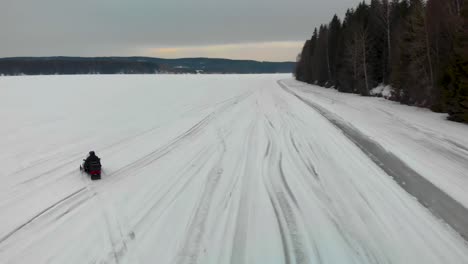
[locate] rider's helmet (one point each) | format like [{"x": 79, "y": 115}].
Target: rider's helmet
[{"x": 91, "y": 153}]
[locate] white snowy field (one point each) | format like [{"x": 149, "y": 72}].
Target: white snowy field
[
  {"x": 435, "y": 147},
  {"x": 215, "y": 169}
]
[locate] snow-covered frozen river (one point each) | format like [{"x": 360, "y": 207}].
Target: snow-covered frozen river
[{"x": 212, "y": 169}]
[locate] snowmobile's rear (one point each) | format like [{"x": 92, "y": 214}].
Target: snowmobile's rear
[{"x": 93, "y": 169}]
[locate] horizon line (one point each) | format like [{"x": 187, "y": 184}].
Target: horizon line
[{"x": 149, "y": 57}]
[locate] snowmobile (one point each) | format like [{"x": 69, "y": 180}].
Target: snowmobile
[{"x": 94, "y": 170}]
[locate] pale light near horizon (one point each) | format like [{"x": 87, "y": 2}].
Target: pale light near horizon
[
  {"x": 270, "y": 30},
  {"x": 263, "y": 51}
]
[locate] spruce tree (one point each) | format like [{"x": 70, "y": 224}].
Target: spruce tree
[
  {"x": 455, "y": 80},
  {"x": 334, "y": 45}
]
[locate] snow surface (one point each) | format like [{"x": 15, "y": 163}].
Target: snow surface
[
  {"x": 214, "y": 169},
  {"x": 433, "y": 146}
]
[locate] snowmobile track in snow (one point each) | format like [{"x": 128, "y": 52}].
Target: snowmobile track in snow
[
  {"x": 206, "y": 169},
  {"x": 190, "y": 133},
  {"x": 43, "y": 212},
  {"x": 282, "y": 200},
  {"x": 431, "y": 197}
]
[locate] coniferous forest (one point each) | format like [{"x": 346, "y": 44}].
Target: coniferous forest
[{"x": 418, "y": 47}]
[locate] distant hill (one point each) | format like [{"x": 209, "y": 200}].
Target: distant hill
[{"x": 135, "y": 65}]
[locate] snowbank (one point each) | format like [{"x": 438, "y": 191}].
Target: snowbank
[{"x": 382, "y": 90}]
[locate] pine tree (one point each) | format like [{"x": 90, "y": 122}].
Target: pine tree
[
  {"x": 334, "y": 45},
  {"x": 455, "y": 80},
  {"x": 361, "y": 45},
  {"x": 300, "y": 70},
  {"x": 347, "y": 63},
  {"x": 321, "y": 61},
  {"x": 315, "y": 51},
  {"x": 398, "y": 59},
  {"x": 419, "y": 77},
  {"x": 442, "y": 21},
  {"x": 379, "y": 40}
]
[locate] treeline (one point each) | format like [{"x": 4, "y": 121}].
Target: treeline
[
  {"x": 418, "y": 47},
  {"x": 31, "y": 66},
  {"x": 135, "y": 65}
]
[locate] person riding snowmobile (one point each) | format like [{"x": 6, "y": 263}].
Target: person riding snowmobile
[{"x": 92, "y": 163}]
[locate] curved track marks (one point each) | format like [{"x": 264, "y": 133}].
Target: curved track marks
[
  {"x": 255, "y": 178},
  {"x": 70, "y": 202},
  {"x": 444, "y": 206}
]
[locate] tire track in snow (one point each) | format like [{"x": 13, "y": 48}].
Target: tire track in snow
[
  {"x": 290, "y": 218},
  {"x": 117, "y": 241},
  {"x": 283, "y": 180},
  {"x": 192, "y": 247},
  {"x": 439, "y": 144},
  {"x": 360, "y": 247},
  {"x": 180, "y": 183},
  {"x": 190, "y": 251},
  {"x": 165, "y": 149},
  {"x": 428, "y": 195},
  {"x": 59, "y": 156},
  {"x": 457, "y": 150},
  {"x": 37, "y": 216},
  {"x": 303, "y": 157},
  {"x": 280, "y": 196},
  {"x": 234, "y": 99},
  {"x": 153, "y": 212},
  {"x": 305, "y": 249},
  {"x": 192, "y": 132},
  {"x": 238, "y": 254},
  {"x": 290, "y": 236},
  {"x": 16, "y": 193},
  {"x": 175, "y": 189},
  {"x": 293, "y": 153}
]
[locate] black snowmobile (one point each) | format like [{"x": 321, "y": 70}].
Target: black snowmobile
[{"x": 92, "y": 166}]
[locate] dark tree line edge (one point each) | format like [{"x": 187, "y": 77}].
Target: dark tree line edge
[
  {"x": 417, "y": 47},
  {"x": 135, "y": 65}
]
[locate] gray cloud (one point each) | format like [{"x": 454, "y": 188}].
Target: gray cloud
[{"x": 125, "y": 27}]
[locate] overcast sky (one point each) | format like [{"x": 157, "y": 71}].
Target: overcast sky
[{"x": 272, "y": 30}]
